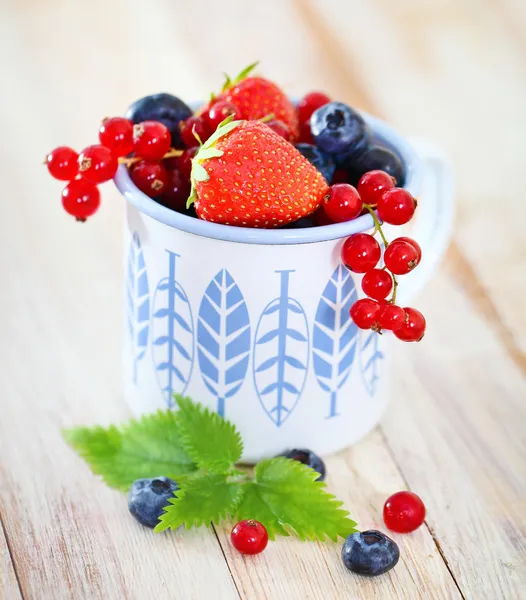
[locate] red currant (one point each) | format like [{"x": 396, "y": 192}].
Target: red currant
[
  {"x": 97, "y": 164},
  {"x": 377, "y": 284},
  {"x": 361, "y": 252},
  {"x": 342, "y": 203},
  {"x": 176, "y": 191},
  {"x": 280, "y": 128},
  {"x": 218, "y": 112},
  {"x": 184, "y": 162},
  {"x": 413, "y": 243},
  {"x": 117, "y": 135},
  {"x": 364, "y": 312},
  {"x": 396, "y": 206},
  {"x": 320, "y": 218},
  {"x": 373, "y": 184},
  {"x": 249, "y": 537},
  {"x": 151, "y": 140},
  {"x": 400, "y": 257},
  {"x": 391, "y": 317},
  {"x": 309, "y": 103},
  {"x": 305, "y": 134},
  {"x": 340, "y": 176},
  {"x": 80, "y": 199},
  {"x": 404, "y": 512},
  {"x": 62, "y": 163},
  {"x": 414, "y": 327},
  {"x": 150, "y": 177},
  {"x": 191, "y": 125}
]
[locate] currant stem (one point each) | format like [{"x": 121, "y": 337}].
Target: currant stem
[
  {"x": 395, "y": 286},
  {"x": 130, "y": 161},
  {"x": 377, "y": 225}
]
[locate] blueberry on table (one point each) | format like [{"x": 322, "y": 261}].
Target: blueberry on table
[
  {"x": 165, "y": 108},
  {"x": 323, "y": 162},
  {"x": 148, "y": 497},
  {"x": 376, "y": 158},
  {"x": 307, "y": 457},
  {"x": 339, "y": 130},
  {"x": 370, "y": 553}
]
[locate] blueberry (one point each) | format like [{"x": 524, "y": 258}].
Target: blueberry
[
  {"x": 307, "y": 457},
  {"x": 376, "y": 157},
  {"x": 370, "y": 553},
  {"x": 166, "y": 108},
  {"x": 148, "y": 497},
  {"x": 339, "y": 130},
  {"x": 303, "y": 223},
  {"x": 323, "y": 162}
]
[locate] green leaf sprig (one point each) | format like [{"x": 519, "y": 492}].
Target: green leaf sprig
[{"x": 199, "y": 449}]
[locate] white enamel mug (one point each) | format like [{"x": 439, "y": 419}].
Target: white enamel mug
[{"x": 255, "y": 323}]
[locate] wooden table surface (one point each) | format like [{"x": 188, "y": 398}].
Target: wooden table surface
[{"x": 455, "y": 433}]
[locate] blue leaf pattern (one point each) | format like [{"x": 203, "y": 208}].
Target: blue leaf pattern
[
  {"x": 334, "y": 335},
  {"x": 281, "y": 354},
  {"x": 369, "y": 357},
  {"x": 223, "y": 338},
  {"x": 138, "y": 293},
  {"x": 173, "y": 347}
]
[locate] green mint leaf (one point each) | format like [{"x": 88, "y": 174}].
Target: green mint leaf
[
  {"x": 200, "y": 500},
  {"x": 148, "y": 447},
  {"x": 286, "y": 497},
  {"x": 211, "y": 441}
]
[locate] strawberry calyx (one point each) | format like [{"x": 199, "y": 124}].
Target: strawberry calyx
[
  {"x": 229, "y": 83},
  {"x": 206, "y": 151}
]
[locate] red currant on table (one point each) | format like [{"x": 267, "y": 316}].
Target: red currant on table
[
  {"x": 309, "y": 103},
  {"x": 413, "y": 328},
  {"x": 191, "y": 125},
  {"x": 377, "y": 284},
  {"x": 62, "y": 163},
  {"x": 97, "y": 164},
  {"x": 404, "y": 512},
  {"x": 218, "y": 112},
  {"x": 342, "y": 203},
  {"x": 176, "y": 192},
  {"x": 391, "y": 317},
  {"x": 401, "y": 256},
  {"x": 150, "y": 177},
  {"x": 364, "y": 313},
  {"x": 396, "y": 206},
  {"x": 280, "y": 128},
  {"x": 80, "y": 199},
  {"x": 249, "y": 537},
  {"x": 151, "y": 140},
  {"x": 361, "y": 252},
  {"x": 373, "y": 184},
  {"x": 117, "y": 135}
]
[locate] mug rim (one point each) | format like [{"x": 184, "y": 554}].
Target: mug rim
[{"x": 382, "y": 132}]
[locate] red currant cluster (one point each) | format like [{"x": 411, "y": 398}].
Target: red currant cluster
[
  {"x": 149, "y": 142},
  {"x": 361, "y": 252}
]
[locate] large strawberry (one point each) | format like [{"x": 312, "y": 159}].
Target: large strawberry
[
  {"x": 247, "y": 175},
  {"x": 256, "y": 98}
]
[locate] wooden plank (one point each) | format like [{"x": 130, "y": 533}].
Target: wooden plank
[
  {"x": 363, "y": 477},
  {"x": 9, "y": 589}
]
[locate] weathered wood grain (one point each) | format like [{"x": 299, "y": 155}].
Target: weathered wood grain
[{"x": 9, "y": 589}]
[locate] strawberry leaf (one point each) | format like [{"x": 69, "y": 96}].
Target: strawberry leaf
[
  {"x": 211, "y": 441},
  {"x": 199, "y": 501},
  {"x": 199, "y": 172},
  {"x": 148, "y": 447},
  {"x": 285, "y": 496}
]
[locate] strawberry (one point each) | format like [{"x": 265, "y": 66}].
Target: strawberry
[
  {"x": 247, "y": 175},
  {"x": 257, "y": 98}
]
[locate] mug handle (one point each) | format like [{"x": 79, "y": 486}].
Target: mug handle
[{"x": 433, "y": 224}]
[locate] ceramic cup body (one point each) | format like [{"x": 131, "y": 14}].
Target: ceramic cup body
[{"x": 255, "y": 323}]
